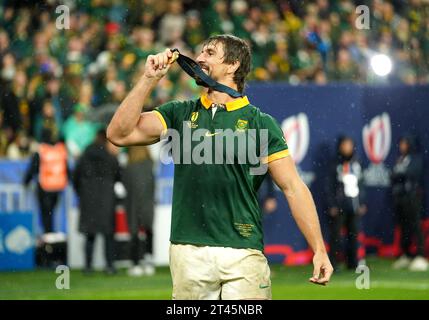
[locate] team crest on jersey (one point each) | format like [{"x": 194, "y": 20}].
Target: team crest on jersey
[
  {"x": 241, "y": 125},
  {"x": 194, "y": 117}
]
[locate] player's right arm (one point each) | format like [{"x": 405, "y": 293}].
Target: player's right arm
[{"x": 129, "y": 126}]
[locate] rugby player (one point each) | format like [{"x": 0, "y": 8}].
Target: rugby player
[{"x": 216, "y": 249}]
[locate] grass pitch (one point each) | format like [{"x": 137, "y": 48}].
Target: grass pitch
[{"x": 287, "y": 283}]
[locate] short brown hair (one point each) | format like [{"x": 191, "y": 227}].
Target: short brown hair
[{"x": 235, "y": 49}]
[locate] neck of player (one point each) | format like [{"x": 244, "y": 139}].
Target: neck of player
[{"x": 221, "y": 97}]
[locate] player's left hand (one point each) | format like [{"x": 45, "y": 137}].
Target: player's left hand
[{"x": 322, "y": 269}]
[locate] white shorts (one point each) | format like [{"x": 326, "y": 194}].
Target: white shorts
[{"x": 213, "y": 273}]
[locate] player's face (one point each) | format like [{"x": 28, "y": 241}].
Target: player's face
[{"x": 211, "y": 61}]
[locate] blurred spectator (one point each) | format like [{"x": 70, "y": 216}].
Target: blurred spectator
[
  {"x": 78, "y": 132},
  {"x": 4, "y": 137},
  {"x": 139, "y": 183},
  {"x": 345, "y": 69},
  {"x": 144, "y": 40},
  {"x": 407, "y": 201},
  {"x": 323, "y": 9},
  {"x": 48, "y": 119},
  {"x": 75, "y": 58},
  {"x": 172, "y": 22},
  {"x": 346, "y": 202},
  {"x": 194, "y": 32},
  {"x": 19, "y": 89},
  {"x": 95, "y": 175},
  {"x": 119, "y": 93},
  {"x": 278, "y": 63},
  {"x": 47, "y": 94},
  {"x": 320, "y": 78},
  {"x": 49, "y": 164},
  {"x": 21, "y": 45},
  {"x": 21, "y": 147},
  {"x": 85, "y": 94},
  {"x": 262, "y": 45},
  {"x": 118, "y": 12},
  {"x": 216, "y": 18},
  {"x": 60, "y": 102},
  {"x": 107, "y": 84},
  {"x": 9, "y": 101},
  {"x": 306, "y": 63},
  {"x": 239, "y": 12},
  {"x": 147, "y": 17},
  {"x": 4, "y": 44}
]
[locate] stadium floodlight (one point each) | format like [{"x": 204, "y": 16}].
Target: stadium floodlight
[{"x": 381, "y": 64}]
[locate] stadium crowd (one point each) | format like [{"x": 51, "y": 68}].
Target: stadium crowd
[{"x": 55, "y": 78}]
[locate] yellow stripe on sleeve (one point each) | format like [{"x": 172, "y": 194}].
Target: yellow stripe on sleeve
[
  {"x": 276, "y": 156},
  {"x": 161, "y": 118}
]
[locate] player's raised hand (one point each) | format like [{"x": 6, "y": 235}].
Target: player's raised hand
[
  {"x": 322, "y": 269},
  {"x": 157, "y": 65}
]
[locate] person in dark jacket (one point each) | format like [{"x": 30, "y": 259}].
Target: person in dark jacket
[
  {"x": 94, "y": 178},
  {"x": 407, "y": 201},
  {"x": 346, "y": 203},
  {"x": 140, "y": 201},
  {"x": 9, "y": 104}
]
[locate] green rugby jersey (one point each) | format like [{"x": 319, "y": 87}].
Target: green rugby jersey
[{"x": 215, "y": 202}]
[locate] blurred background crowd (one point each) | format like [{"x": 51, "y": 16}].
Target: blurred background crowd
[{"x": 58, "y": 79}]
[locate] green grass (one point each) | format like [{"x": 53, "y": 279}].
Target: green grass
[{"x": 287, "y": 283}]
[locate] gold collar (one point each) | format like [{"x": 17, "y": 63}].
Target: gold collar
[{"x": 230, "y": 106}]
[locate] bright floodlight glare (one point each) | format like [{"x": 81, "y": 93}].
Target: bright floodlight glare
[{"x": 381, "y": 64}]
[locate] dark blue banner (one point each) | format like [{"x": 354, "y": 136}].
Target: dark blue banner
[{"x": 312, "y": 118}]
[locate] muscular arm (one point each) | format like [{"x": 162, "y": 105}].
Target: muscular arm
[
  {"x": 129, "y": 126},
  {"x": 284, "y": 173}
]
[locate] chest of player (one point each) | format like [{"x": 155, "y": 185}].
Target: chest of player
[
  {"x": 219, "y": 136},
  {"x": 218, "y": 120}
]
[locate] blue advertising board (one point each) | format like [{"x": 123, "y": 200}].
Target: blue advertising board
[{"x": 16, "y": 241}]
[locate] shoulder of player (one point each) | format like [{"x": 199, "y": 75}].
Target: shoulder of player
[
  {"x": 262, "y": 117},
  {"x": 252, "y": 111},
  {"x": 183, "y": 103},
  {"x": 178, "y": 106}
]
